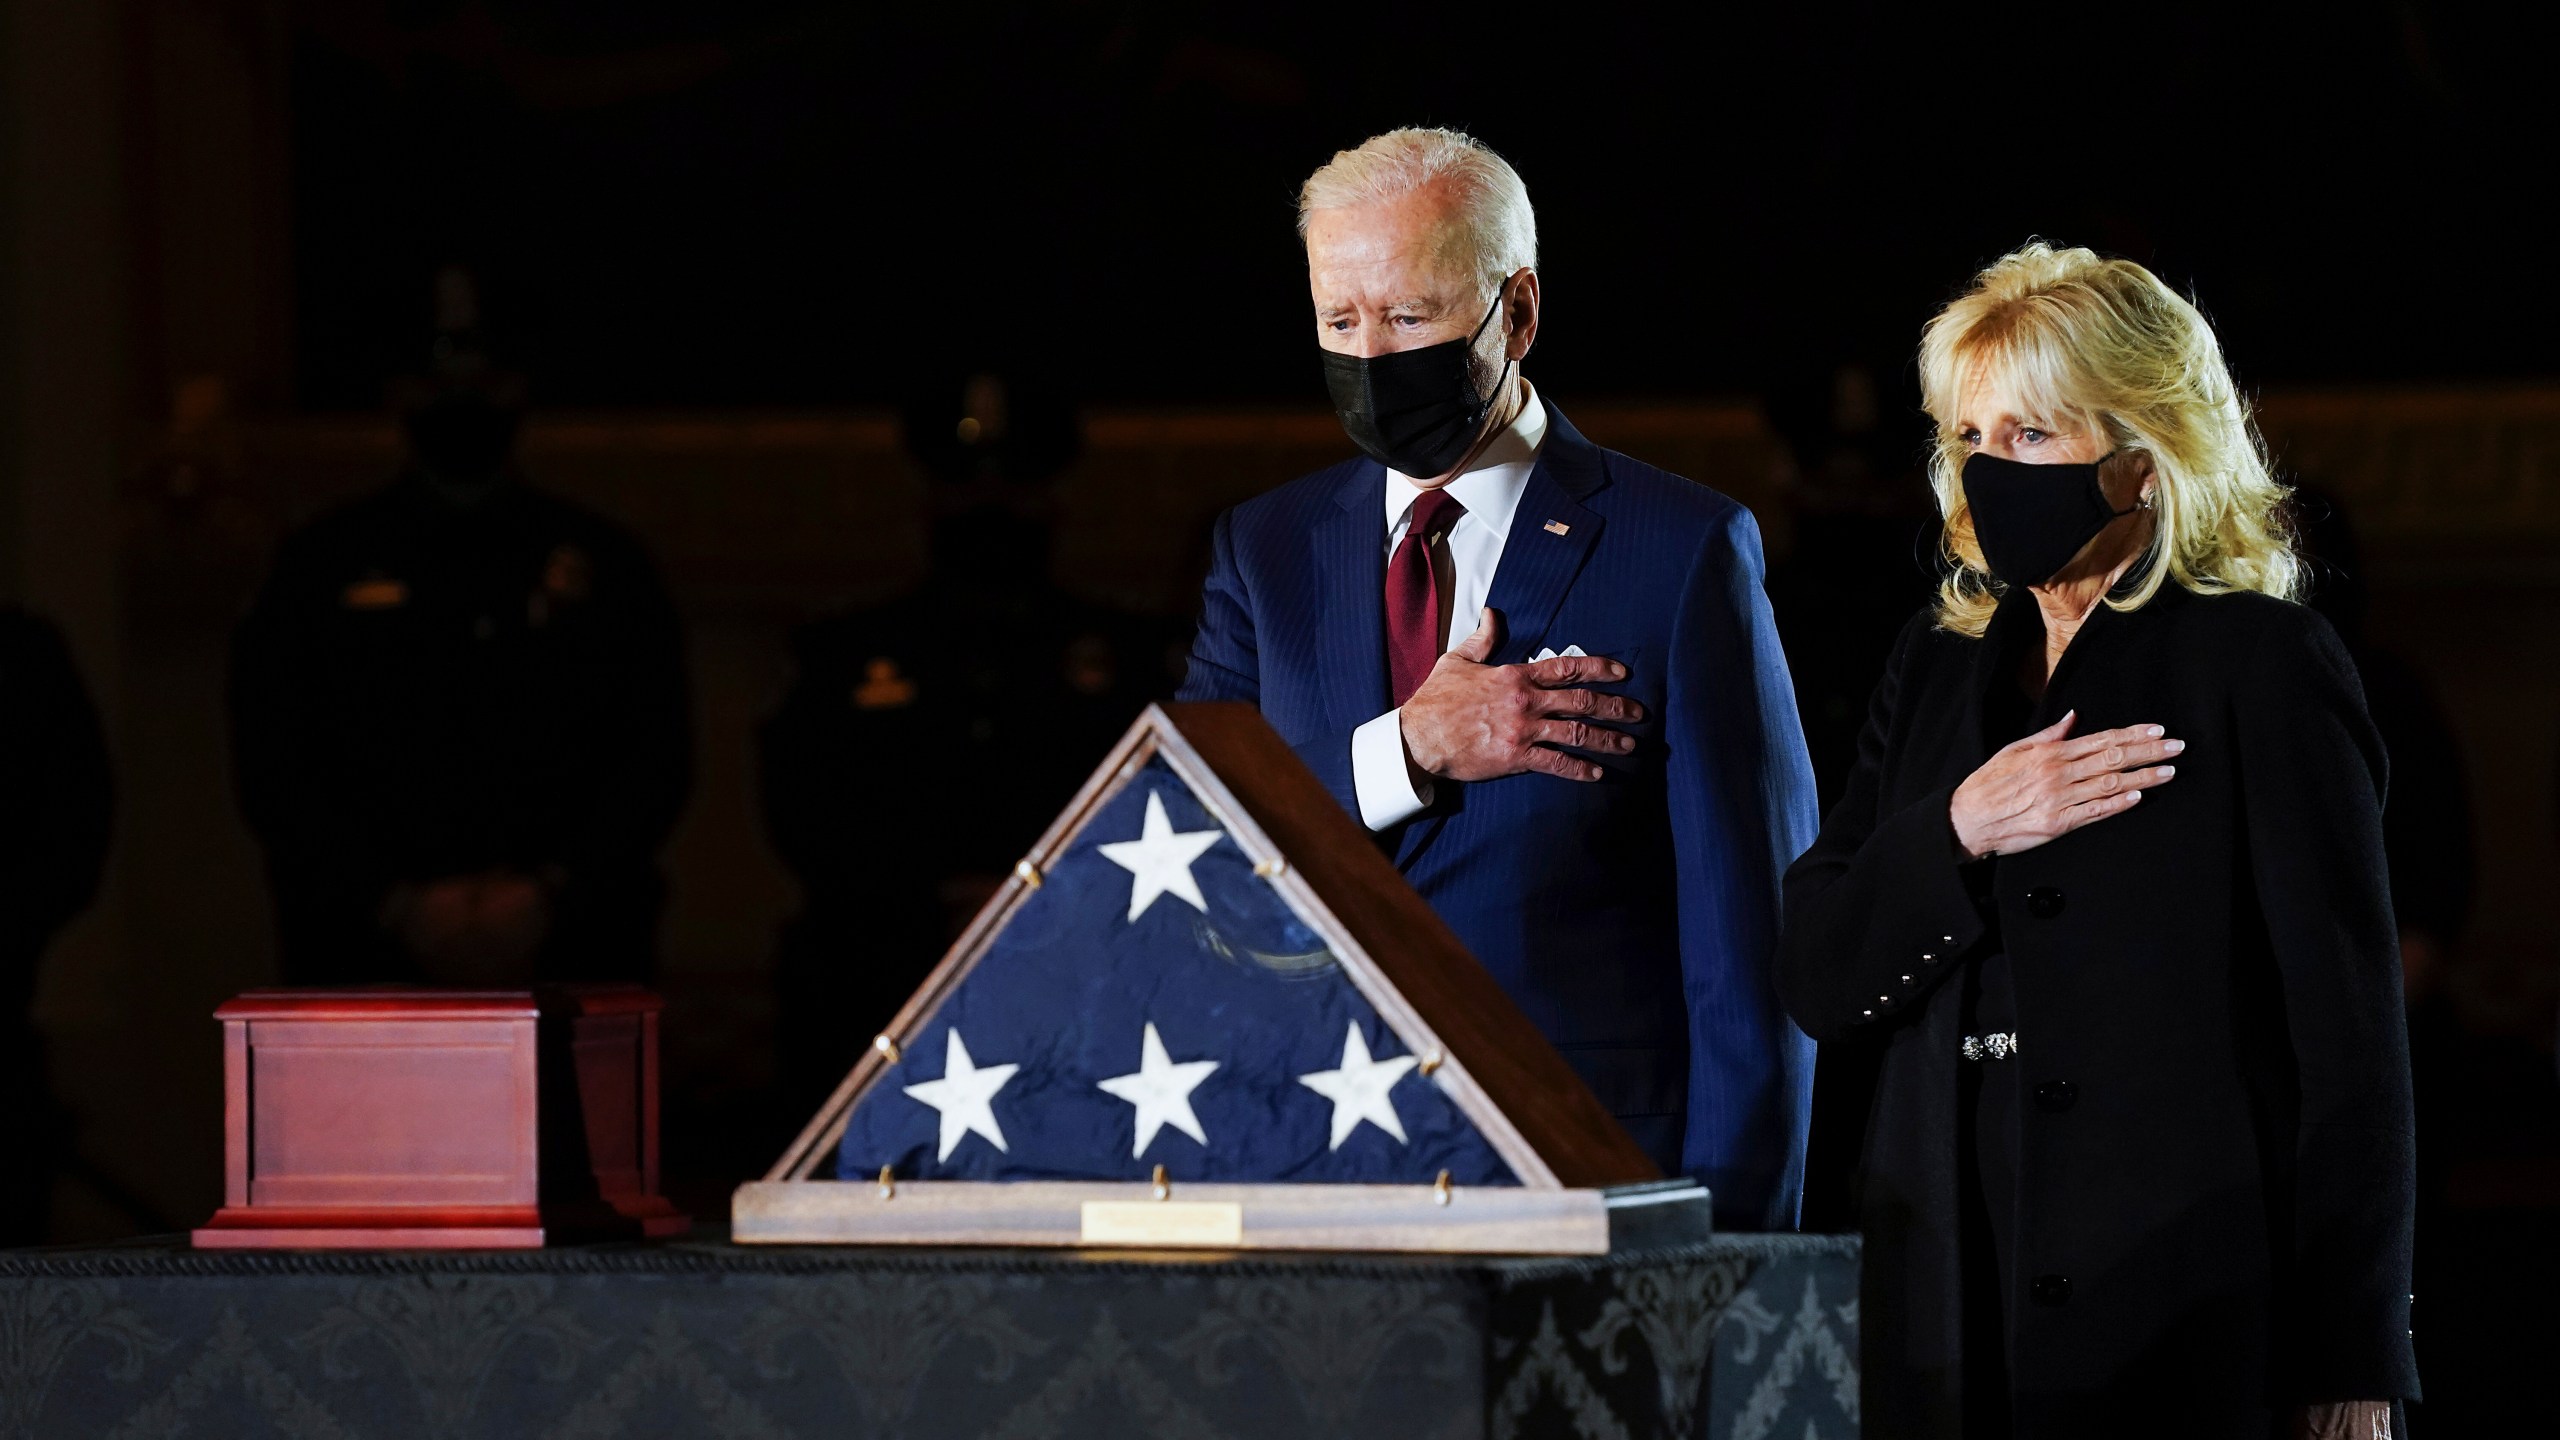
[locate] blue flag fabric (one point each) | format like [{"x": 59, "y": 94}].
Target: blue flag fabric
[{"x": 1155, "y": 1002}]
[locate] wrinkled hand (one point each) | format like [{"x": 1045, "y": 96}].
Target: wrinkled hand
[
  {"x": 2345, "y": 1420},
  {"x": 1474, "y": 721},
  {"x": 2053, "y": 782}
]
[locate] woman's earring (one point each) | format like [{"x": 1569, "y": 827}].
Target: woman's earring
[{"x": 2145, "y": 501}]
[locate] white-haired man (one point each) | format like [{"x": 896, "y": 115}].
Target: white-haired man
[{"x": 1543, "y": 673}]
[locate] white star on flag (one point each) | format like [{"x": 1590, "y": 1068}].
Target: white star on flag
[
  {"x": 1162, "y": 1091},
  {"x": 1359, "y": 1089},
  {"x": 1159, "y": 861},
  {"x": 965, "y": 1096}
]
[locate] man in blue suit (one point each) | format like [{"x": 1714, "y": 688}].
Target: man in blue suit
[{"x": 1545, "y": 675}]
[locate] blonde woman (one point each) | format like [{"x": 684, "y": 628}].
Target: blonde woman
[{"x": 2098, "y": 943}]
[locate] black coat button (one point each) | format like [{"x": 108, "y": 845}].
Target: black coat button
[
  {"x": 2044, "y": 902},
  {"x": 2050, "y": 1289},
  {"x": 2055, "y": 1096}
]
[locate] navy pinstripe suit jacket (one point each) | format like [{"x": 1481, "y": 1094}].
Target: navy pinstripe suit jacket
[{"x": 1633, "y": 919}]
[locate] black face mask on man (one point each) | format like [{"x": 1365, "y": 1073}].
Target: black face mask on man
[
  {"x": 1415, "y": 411},
  {"x": 2031, "y": 519}
]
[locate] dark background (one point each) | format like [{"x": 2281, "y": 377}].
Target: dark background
[{"x": 796, "y": 203}]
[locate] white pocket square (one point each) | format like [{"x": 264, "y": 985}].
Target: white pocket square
[{"x": 1554, "y": 655}]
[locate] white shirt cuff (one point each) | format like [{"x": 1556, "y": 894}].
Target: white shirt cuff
[{"x": 1388, "y": 793}]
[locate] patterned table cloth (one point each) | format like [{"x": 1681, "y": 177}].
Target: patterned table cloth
[{"x": 1738, "y": 1338}]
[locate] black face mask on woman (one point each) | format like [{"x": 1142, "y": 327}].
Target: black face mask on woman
[
  {"x": 1415, "y": 411},
  {"x": 2031, "y": 519}
]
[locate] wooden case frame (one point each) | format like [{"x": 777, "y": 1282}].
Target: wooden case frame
[{"x": 1579, "y": 1170}]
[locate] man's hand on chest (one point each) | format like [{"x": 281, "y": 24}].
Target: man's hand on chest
[{"x": 1473, "y": 721}]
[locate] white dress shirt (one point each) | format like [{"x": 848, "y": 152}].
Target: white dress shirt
[{"x": 1490, "y": 489}]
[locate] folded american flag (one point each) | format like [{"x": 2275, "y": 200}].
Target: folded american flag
[{"x": 1155, "y": 1002}]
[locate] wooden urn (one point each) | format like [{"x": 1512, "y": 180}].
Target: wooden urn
[{"x": 399, "y": 1117}]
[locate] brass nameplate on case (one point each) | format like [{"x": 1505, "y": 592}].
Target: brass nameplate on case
[{"x": 1163, "y": 1222}]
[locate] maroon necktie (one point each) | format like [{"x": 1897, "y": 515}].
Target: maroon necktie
[{"x": 1417, "y": 608}]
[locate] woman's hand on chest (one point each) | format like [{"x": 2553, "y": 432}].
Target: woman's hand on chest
[{"x": 2051, "y": 783}]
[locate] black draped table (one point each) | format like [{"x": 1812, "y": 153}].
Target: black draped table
[{"x": 1736, "y": 1338}]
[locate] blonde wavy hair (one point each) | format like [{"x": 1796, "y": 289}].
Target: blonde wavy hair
[{"x": 2089, "y": 342}]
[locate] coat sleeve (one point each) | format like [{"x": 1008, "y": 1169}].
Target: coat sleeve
[
  {"x": 2311, "y": 779},
  {"x": 1742, "y": 805},
  {"x": 1226, "y": 661},
  {"x": 1878, "y": 910}
]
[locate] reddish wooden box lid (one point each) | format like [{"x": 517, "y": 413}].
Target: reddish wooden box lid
[{"x": 430, "y": 1002}]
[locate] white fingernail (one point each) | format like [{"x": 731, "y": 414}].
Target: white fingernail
[
  {"x": 2154, "y": 731},
  {"x": 2176, "y": 747},
  {"x": 2168, "y": 770}
]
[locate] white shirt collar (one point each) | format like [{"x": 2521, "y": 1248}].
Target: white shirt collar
[{"x": 1491, "y": 487}]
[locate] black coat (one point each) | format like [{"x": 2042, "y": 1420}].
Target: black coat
[{"x": 2217, "y": 1157}]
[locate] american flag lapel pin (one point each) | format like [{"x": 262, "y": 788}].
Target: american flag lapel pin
[{"x": 1558, "y": 527}]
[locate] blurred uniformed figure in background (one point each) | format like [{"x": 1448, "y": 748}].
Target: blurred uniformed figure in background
[
  {"x": 459, "y": 713},
  {"x": 928, "y": 741},
  {"x": 56, "y": 801}
]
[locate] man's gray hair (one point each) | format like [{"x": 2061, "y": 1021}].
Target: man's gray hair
[{"x": 1497, "y": 231}]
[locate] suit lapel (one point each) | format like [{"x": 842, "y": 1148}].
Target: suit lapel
[
  {"x": 1996, "y": 662},
  {"x": 1551, "y": 535},
  {"x": 1538, "y": 564},
  {"x": 1351, "y": 566},
  {"x": 2016, "y": 628},
  {"x": 2105, "y": 632}
]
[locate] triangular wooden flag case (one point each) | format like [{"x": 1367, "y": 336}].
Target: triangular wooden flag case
[{"x": 1206, "y": 1011}]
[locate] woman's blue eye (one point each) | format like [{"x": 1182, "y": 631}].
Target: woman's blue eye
[{"x": 2030, "y": 434}]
